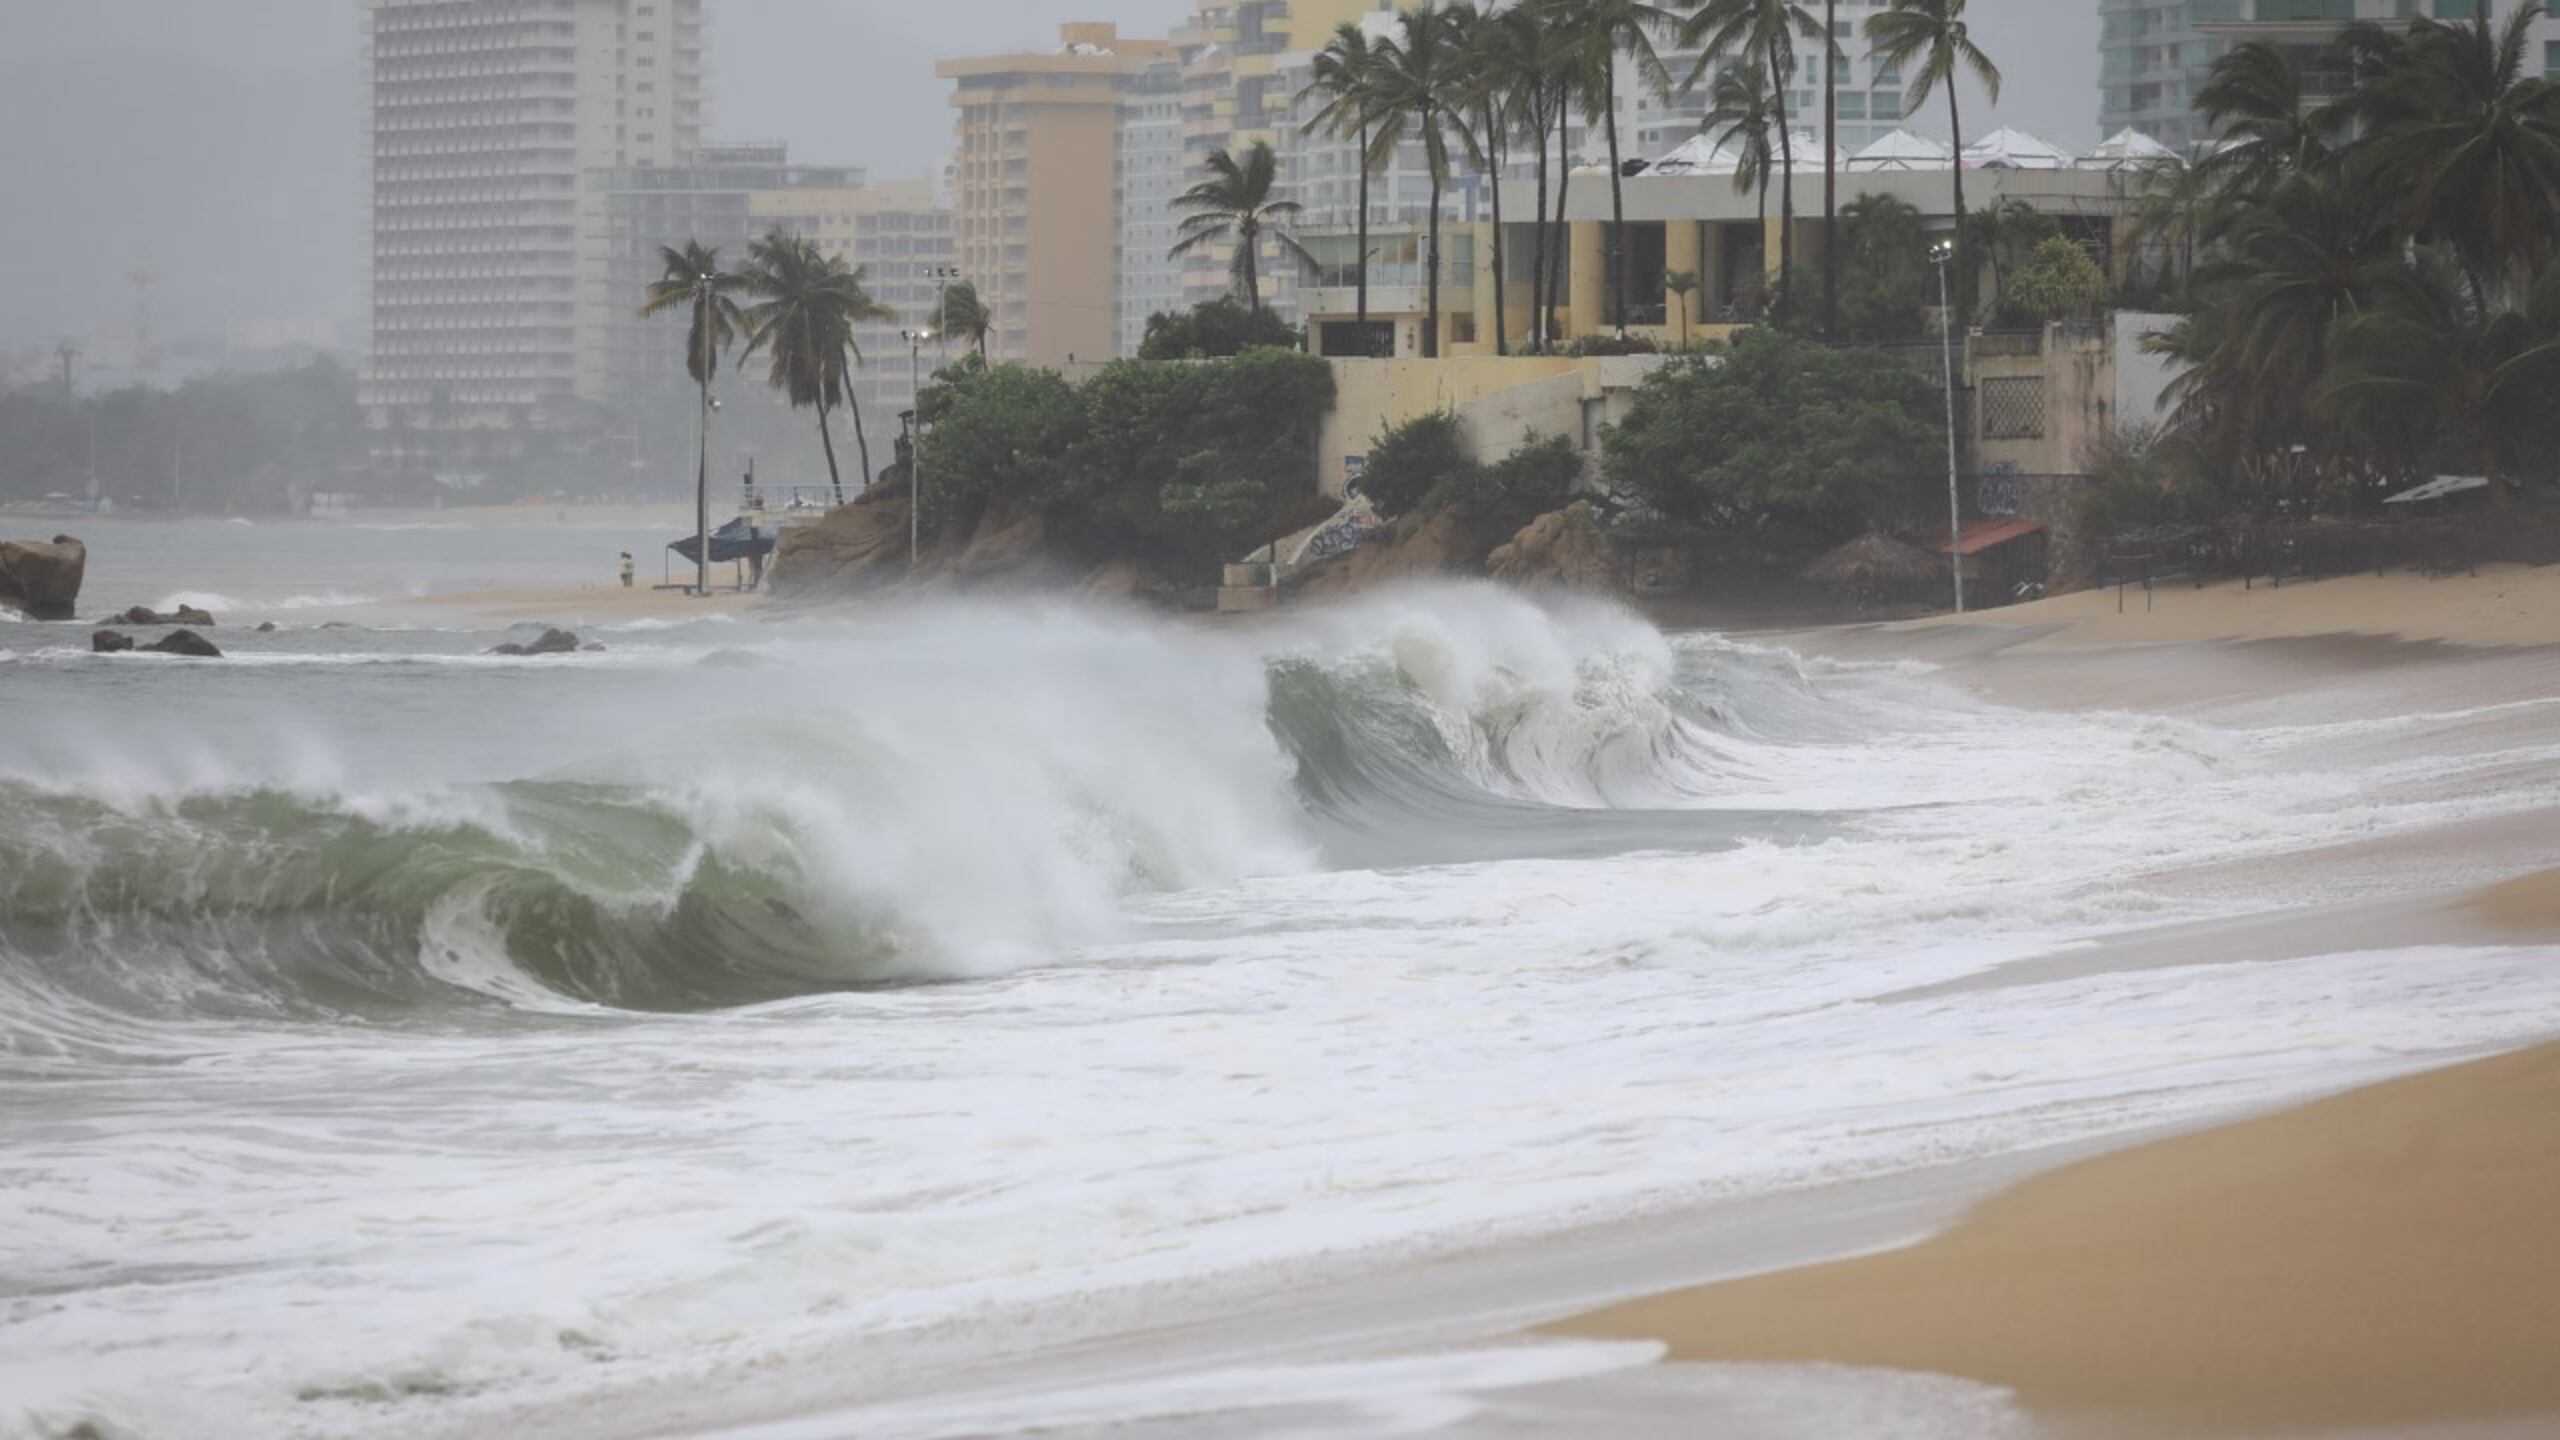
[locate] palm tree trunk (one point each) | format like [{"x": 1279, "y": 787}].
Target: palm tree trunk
[
  {"x": 1364, "y": 235},
  {"x": 1830, "y": 177},
  {"x": 1248, "y": 244},
  {"x": 1431, "y": 260},
  {"x": 1955, "y": 132},
  {"x": 861, "y": 442},
  {"x": 1538, "y": 303},
  {"x": 827, "y": 442},
  {"x": 1617, "y": 206},
  {"x": 1787, "y": 188},
  {"x": 1556, "y": 292},
  {"x": 1493, "y": 157}
]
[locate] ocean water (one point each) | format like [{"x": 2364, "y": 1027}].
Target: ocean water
[{"x": 396, "y": 1039}]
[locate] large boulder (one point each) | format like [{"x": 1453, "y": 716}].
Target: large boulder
[
  {"x": 1452, "y": 540},
  {"x": 1562, "y": 550},
  {"x": 553, "y": 641},
  {"x": 109, "y": 642},
  {"x": 850, "y": 548},
  {"x": 1006, "y": 542},
  {"x": 187, "y": 643},
  {"x": 42, "y": 581}
]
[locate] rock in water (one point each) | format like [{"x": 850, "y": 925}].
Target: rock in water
[
  {"x": 553, "y": 642},
  {"x": 145, "y": 615},
  {"x": 188, "y": 643},
  {"x": 42, "y": 580},
  {"x": 266, "y": 627},
  {"x": 109, "y": 642}
]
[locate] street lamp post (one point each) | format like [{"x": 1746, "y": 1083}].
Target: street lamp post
[
  {"x": 702, "y": 453},
  {"x": 1940, "y": 255},
  {"x": 915, "y": 444}
]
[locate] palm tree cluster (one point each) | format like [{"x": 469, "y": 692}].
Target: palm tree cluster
[
  {"x": 1488, "y": 85},
  {"x": 2369, "y": 284},
  {"x": 805, "y": 306}
]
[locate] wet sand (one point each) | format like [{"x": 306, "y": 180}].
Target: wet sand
[
  {"x": 2385, "y": 1257},
  {"x": 2504, "y": 605}
]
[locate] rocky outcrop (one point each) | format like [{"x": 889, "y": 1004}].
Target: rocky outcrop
[
  {"x": 853, "y": 547},
  {"x": 1562, "y": 550},
  {"x": 145, "y": 615},
  {"x": 553, "y": 641},
  {"x": 187, "y": 643},
  {"x": 110, "y": 642},
  {"x": 1453, "y": 540},
  {"x": 42, "y": 580},
  {"x": 1004, "y": 543}
]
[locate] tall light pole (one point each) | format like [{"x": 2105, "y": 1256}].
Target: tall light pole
[
  {"x": 915, "y": 444},
  {"x": 702, "y": 455},
  {"x": 1940, "y": 254}
]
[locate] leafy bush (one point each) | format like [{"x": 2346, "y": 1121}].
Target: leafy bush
[
  {"x": 2060, "y": 282},
  {"x": 998, "y": 436},
  {"x": 1408, "y": 462},
  {"x": 1780, "y": 433},
  {"x": 1531, "y": 480},
  {"x": 1184, "y": 465},
  {"x": 1585, "y": 346},
  {"x": 1214, "y": 330}
]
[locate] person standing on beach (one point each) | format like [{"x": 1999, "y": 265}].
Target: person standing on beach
[{"x": 626, "y": 569}]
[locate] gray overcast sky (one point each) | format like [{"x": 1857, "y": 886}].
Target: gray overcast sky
[{"x": 214, "y": 142}]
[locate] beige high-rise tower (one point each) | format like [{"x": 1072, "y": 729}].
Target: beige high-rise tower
[
  {"x": 484, "y": 115},
  {"x": 1035, "y": 225}
]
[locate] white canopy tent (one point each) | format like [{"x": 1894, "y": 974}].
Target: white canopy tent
[
  {"x": 1902, "y": 150},
  {"x": 2012, "y": 149},
  {"x": 2127, "y": 149}
]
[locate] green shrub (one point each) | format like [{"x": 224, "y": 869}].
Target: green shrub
[
  {"x": 1585, "y": 346},
  {"x": 1779, "y": 434},
  {"x": 1409, "y": 462},
  {"x": 1530, "y": 481},
  {"x": 1214, "y": 330}
]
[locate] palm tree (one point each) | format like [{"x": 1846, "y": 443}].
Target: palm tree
[
  {"x": 2434, "y": 359},
  {"x": 1740, "y": 112},
  {"x": 1682, "y": 284},
  {"x": 1526, "y": 55},
  {"x": 2473, "y": 148},
  {"x": 1416, "y": 82},
  {"x": 2178, "y": 208},
  {"x": 2290, "y": 273},
  {"x": 1935, "y": 33},
  {"x": 1609, "y": 28},
  {"x": 1235, "y": 204},
  {"x": 1342, "y": 75},
  {"x": 1498, "y": 56},
  {"x": 961, "y": 312},
  {"x": 693, "y": 277},
  {"x": 804, "y": 321},
  {"x": 1765, "y": 30},
  {"x": 2252, "y": 97}
]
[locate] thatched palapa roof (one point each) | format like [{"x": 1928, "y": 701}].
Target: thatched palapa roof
[{"x": 1877, "y": 559}]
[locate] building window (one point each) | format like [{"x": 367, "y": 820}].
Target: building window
[{"x": 2013, "y": 408}]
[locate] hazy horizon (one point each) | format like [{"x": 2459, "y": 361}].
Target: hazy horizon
[{"x": 240, "y": 185}]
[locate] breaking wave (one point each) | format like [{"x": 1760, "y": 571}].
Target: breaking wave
[{"x": 958, "y": 792}]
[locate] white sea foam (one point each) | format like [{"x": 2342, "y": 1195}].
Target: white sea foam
[{"x": 1192, "y": 1062}]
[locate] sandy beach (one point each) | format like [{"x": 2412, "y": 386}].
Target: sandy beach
[
  {"x": 2504, "y": 605},
  {"x": 2384, "y": 1257}
]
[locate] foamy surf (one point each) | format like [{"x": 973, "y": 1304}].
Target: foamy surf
[{"x": 976, "y": 979}]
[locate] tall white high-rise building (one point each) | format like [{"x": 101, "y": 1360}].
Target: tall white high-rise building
[{"x": 484, "y": 118}]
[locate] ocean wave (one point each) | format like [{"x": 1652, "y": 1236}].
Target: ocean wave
[
  {"x": 955, "y": 792},
  {"x": 219, "y": 605}
]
